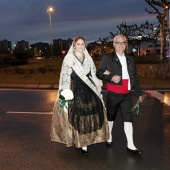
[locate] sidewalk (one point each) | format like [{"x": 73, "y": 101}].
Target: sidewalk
[
  {"x": 55, "y": 86},
  {"x": 30, "y": 86}
]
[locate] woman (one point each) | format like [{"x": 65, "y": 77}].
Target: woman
[{"x": 83, "y": 122}]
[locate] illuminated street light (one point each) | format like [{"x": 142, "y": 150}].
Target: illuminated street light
[{"x": 50, "y": 10}]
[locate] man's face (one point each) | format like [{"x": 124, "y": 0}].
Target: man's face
[{"x": 120, "y": 44}]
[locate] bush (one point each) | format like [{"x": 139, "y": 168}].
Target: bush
[
  {"x": 42, "y": 69},
  {"x": 22, "y": 58},
  {"x": 7, "y": 59},
  {"x": 19, "y": 70},
  {"x": 31, "y": 71}
]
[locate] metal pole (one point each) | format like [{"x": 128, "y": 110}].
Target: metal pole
[
  {"x": 169, "y": 36},
  {"x": 139, "y": 48},
  {"x": 61, "y": 47},
  {"x": 50, "y": 35}
]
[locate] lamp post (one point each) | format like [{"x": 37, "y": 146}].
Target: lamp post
[
  {"x": 155, "y": 32},
  {"x": 169, "y": 34},
  {"x": 139, "y": 38},
  {"x": 50, "y": 10}
]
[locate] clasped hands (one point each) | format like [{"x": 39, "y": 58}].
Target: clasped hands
[{"x": 116, "y": 79}]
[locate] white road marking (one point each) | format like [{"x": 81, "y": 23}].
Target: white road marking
[
  {"x": 44, "y": 113},
  {"x": 155, "y": 94},
  {"x": 160, "y": 97}
]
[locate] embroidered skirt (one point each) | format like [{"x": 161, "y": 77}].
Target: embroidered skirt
[{"x": 85, "y": 123}]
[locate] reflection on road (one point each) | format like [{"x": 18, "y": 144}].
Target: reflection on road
[{"x": 162, "y": 97}]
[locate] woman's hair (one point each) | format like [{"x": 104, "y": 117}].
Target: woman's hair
[{"x": 78, "y": 38}]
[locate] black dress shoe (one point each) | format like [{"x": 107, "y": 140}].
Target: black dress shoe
[
  {"x": 84, "y": 152},
  {"x": 136, "y": 151},
  {"x": 109, "y": 144}
]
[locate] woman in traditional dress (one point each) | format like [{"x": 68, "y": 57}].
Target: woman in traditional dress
[{"x": 83, "y": 122}]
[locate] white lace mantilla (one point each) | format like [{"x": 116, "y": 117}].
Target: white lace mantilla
[{"x": 71, "y": 63}]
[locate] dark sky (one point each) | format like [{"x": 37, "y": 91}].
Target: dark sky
[{"x": 28, "y": 19}]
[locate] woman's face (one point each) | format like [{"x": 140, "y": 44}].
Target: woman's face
[{"x": 79, "y": 45}]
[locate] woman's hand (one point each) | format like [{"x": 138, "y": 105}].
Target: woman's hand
[{"x": 99, "y": 89}]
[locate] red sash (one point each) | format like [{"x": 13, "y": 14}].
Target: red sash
[{"x": 123, "y": 89}]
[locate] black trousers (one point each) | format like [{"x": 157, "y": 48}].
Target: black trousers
[{"x": 116, "y": 101}]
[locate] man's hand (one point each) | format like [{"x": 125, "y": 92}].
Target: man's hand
[
  {"x": 107, "y": 72},
  {"x": 116, "y": 78},
  {"x": 140, "y": 98}
]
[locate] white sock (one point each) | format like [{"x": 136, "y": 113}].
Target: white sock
[
  {"x": 128, "y": 128},
  {"x": 110, "y": 123},
  {"x": 84, "y": 148}
]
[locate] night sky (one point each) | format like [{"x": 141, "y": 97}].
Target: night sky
[{"x": 28, "y": 19}]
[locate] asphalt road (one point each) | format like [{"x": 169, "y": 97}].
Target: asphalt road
[{"x": 25, "y": 121}]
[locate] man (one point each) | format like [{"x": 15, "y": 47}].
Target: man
[{"x": 119, "y": 71}]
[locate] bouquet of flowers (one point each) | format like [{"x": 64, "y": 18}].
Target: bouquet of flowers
[
  {"x": 66, "y": 95},
  {"x": 135, "y": 109}
]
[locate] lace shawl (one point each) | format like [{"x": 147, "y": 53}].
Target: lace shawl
[{"x": 70, "y": 63}]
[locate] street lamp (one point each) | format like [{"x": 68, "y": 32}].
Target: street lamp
[
  {"x": 139, "y": 38},
  {"x": 169, "y": 34},
  {"x": 50, "y": 10}
]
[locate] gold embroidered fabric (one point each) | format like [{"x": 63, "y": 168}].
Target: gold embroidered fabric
[{"x": 63, "y": 132}]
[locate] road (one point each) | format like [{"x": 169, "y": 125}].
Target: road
[
  {"x": 27, "y": 100},
  {"x": 25, "y": 120}
]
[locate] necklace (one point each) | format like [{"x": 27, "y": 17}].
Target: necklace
[{"x": 80, "y": 58}]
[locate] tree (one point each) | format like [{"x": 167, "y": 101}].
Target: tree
[
  {"x": 133, "y": 31},
  {"x": 161, "y": 10}
]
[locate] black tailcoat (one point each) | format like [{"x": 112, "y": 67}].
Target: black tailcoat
[{"x": 112, "y": 63}]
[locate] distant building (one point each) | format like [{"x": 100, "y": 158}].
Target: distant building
[
  {"x": 5, "y": 47},
  {"x": 21, "y": 46},
  {"x": 40, "y": 49},
  {"x": 61, "y": 47},
  {"x": 147, "y": 49}
]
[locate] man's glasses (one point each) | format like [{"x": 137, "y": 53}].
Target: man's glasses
[{"x": 120, "y": 43}]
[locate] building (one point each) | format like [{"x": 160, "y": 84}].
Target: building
[
  {"x": 61, "y": 47},
  {"x": 21, "y": 46},
  {"x": 5, "y": 47},
  {"x": 40, "y": 49}
]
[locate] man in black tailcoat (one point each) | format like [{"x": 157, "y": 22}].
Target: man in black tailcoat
[{"x": 119, "y": 71}]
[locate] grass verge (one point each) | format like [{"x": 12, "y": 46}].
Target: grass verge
[{"x": 51, "y": 74}]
